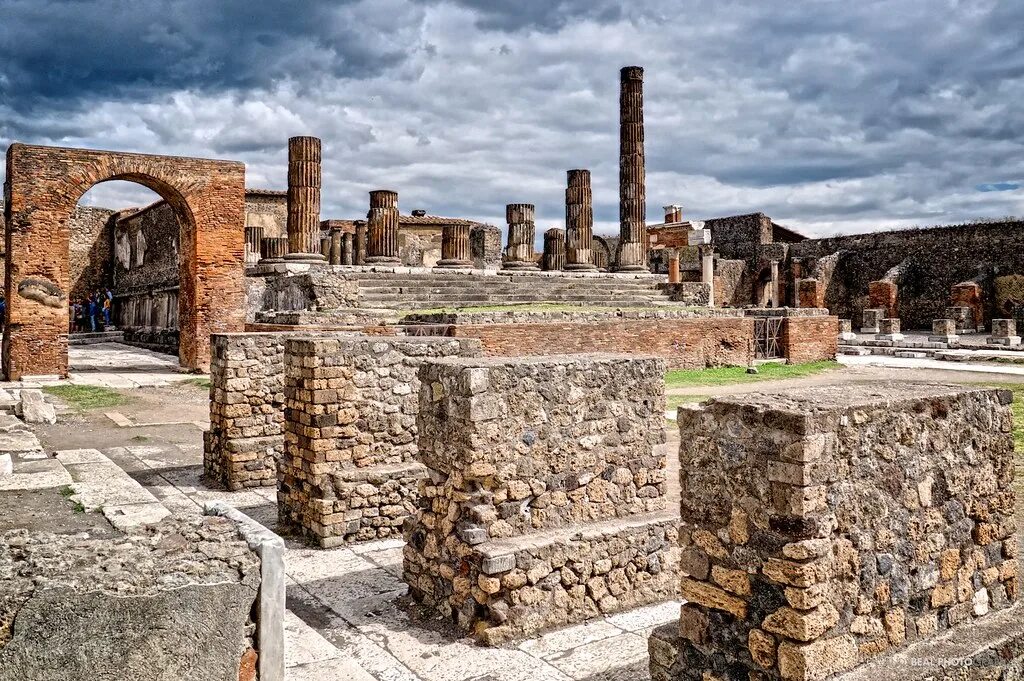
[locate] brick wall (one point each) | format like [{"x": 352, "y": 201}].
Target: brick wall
[
  {"x": 348, "y": 471},
  {"x": 685, "y": 343},
  {"x": 43, "y": 187},
  {"x": 810, "y": 339}
]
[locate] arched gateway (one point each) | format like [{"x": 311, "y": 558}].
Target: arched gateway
[{"x": 43, "y": 187}]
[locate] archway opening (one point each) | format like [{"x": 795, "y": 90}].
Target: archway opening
[{"x": 124, "y": 258}]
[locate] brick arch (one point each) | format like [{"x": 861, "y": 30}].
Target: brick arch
[{"x": 43, "y": 187}]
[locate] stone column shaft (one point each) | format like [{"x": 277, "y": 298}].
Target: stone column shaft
[
  {"x": 673, "y": 267},
  {"x": 304, "y": 199},
  {"x": 337, "y": 241},
  {"x": 455, "y": 248},
  {"x": 273, "y": 248},
  {"x": 707, "y": 272},
  {"x": 521, "y": 233},
  {"x": 382, "y": 229},
  {"x": 360, "y": 243},
  {"x": 348, "y": 253},
  {"x": 579, "y": 221},
  {"x": 632, "y": 191},
  {"x": 253, "y": 237},
  {"x": 554, "y": 250},
  {"x": 775, "y": 284}
]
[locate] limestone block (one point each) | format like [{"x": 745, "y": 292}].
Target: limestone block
[{"x": 33, "y": 408}]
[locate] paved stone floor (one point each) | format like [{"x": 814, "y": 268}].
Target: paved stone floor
[{"x": 115, "y": 365}]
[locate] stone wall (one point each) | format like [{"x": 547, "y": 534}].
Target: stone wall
[
  {"x": 175, "y": 601},
  {"x": 937, "y": 258},
  {"x": 545, "y": 497},
  {"x": 823, "y": 529},
  {"x": 246, "y": 436},
  {"x": 267, "y": 209},
  {"x": 349, "y": 471},
  {"x": 810, "y": 339},
  {"x": 685, "y": 339}
]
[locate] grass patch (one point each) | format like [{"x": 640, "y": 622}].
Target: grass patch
[
  {"x": 684, "y": 378},
  {"x": 199, "y": 382},
  {"x": 77, "y": 507},
  {"x": 140, "y": 438},
  {"x": 673, "y": 402},
  {"x": 66, "y": 491},
  {"x": 86, "y": 397}
]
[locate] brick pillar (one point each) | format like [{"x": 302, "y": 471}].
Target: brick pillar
[
  {"x": 632, "y": 192},
  {"x": 521, "y": 232},
  {"x": 673, "y": 266},
  {"x": 273, "y": 248},
  {"x": 885, "y": 295},
  {"x": 455, "y": 247},
  {"x": 359, "y": 240},
  {"x": 579, "y": 221},
  {"x": 554, "y": 250},
  {"x": 253, "y": 237},
  {"x": 348, "y": 253},
  {"x": 304, "y": 199},
  {"x": 809, "y": 293},
  {"x": 382, "y": 229}
]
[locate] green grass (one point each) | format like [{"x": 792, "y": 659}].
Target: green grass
[
  {"x": 673, "y": 402},
  {"x": 66, "y": 491},
  {"x": 87, "y": 397},
  {"x": 199, "y": 382},
  {"x": 684, "y": 378},
  {"x": 140, "y": 438}
]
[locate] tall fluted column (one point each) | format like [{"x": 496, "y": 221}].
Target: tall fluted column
[
  {"x": 455, "y": 253},
  {"x": 253, "y": 236},
  {"x": 382, "y": 228},
  {"x": 579, "y": 221},
  {"x": 554, "y": 250},
  {"x": 304, "y": 199},
  {"x": 632, "y": 192},
  {"x": 521, "y": 233}
]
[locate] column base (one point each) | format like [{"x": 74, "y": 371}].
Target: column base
[
  {"x": 383, "y": 260},
  {"x": 523, "y": 266},
  {"x": 305, "y": 257},
  {"x": 454, "y": 264},
  {"x": 580, "y": 267},
  {"x": 632, "y": 268}
]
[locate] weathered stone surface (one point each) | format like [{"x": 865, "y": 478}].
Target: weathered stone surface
[
  {"x": 552, "y": 462},
  {"x": 33, "y": 408},
  {"x": 172, "y": 602}
]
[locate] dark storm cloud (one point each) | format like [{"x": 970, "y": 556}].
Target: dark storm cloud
[
  {"x": 52, "y": 53},
  {"x": 829, "y": 116}
]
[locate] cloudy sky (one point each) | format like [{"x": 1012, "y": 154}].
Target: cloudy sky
[{"x": 828, "y": 115}]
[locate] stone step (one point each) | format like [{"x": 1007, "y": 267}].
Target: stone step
[
  {"x": 854, "y": 350},
  {"x": 101, "y": 485},
  {"x": 80, "y": 339}
]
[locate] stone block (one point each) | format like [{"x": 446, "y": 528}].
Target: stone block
[
  {"x": 871, "y": 320},
  {"x": 553, "y": 460},
  {"x": 871, "y": 510}
]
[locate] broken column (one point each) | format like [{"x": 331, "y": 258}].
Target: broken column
[
  {"x": 1004, "y": 332},
  {"x": 304, "y": 200},
  {"x": 554, "y": 250},
  {"x": 579, "y": 221},
  {"x": 253, "y": 237},
  {"x": 673, "y": 266},
  {"x": 707, "y": 271},
  {"x": 871, "y": 320},
  {"x": 382, "y": 229},
  {"x": 521, "y": 233},
  {"x": 829, "y": 527},
  {"x": 545, "y": 497},
  {"x": 775, "y": 286},
  {"x": 632, "y": 192},
  {"x": 273, "y": 248},
  {"x": 349, "y": 471},
  {"x": 455, "y": 247},
  {"x": 944, "y": 331}
]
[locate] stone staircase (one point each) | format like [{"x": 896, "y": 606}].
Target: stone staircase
[
  {"x": 95, "y": 337},
  {"x": 428, "y": 291}
]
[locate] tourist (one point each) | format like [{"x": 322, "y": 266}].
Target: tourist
[
  {"x": 3, "y": 314},
  {"x": 106, "y": 313},
  {"x": 93, "y": 311}
]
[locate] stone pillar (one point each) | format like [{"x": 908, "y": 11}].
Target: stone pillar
[
  {"x": 809, "y": 293},
  {"x": 304, "y": 199},
  {"x": 337, "y": 246},
  {"x": 632, "y": 192},
  {"x": 889, "y": 329},
  {"x": 325, "y": 247},
  {"x": 944, "y": 331},
  {"x": 348, "y": 252},
  {"x": 253, "y": 237},
  {"x": 273, "y": 248},
  {"x": 554, "y": 250},
  {"x": 846, "y": 330},
  {"x": 707, "y": 272},
  {"x": 359, "y": 240},
  {"x": 579, "y": 222},
  {"x": 455, "y": 253},
  {"x": 521, "y": 232},
  {"x": 673, "y": 266},
  {"x": 775, "y": 284},
  {"x": 382, "y": 229},
  {"x": 1004, "y": 332}
]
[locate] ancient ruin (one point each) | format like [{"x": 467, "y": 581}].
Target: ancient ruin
[
  {"x": 382, "y": 228},
  {"x": 579, "y": 221},
  {"x": 304, "y": 200},
  {"x": 632, "y": 256},
  {"x": 521, "y": 233}
]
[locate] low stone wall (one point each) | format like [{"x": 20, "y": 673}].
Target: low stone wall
[
  {"x": 545, "y": 501},
  {"x": 810, "y": 339},
  {"x": 693, "y": 293},
  {"x": 692, "y": 339},
  {"x": 175, "y": 601},
  {"x": 824, "y": 529},
  {"x": 246, "y": 436},
  {"x": 349, "y": 471}
]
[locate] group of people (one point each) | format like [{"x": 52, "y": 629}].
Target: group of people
[{"x": 91, "y": 312}]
